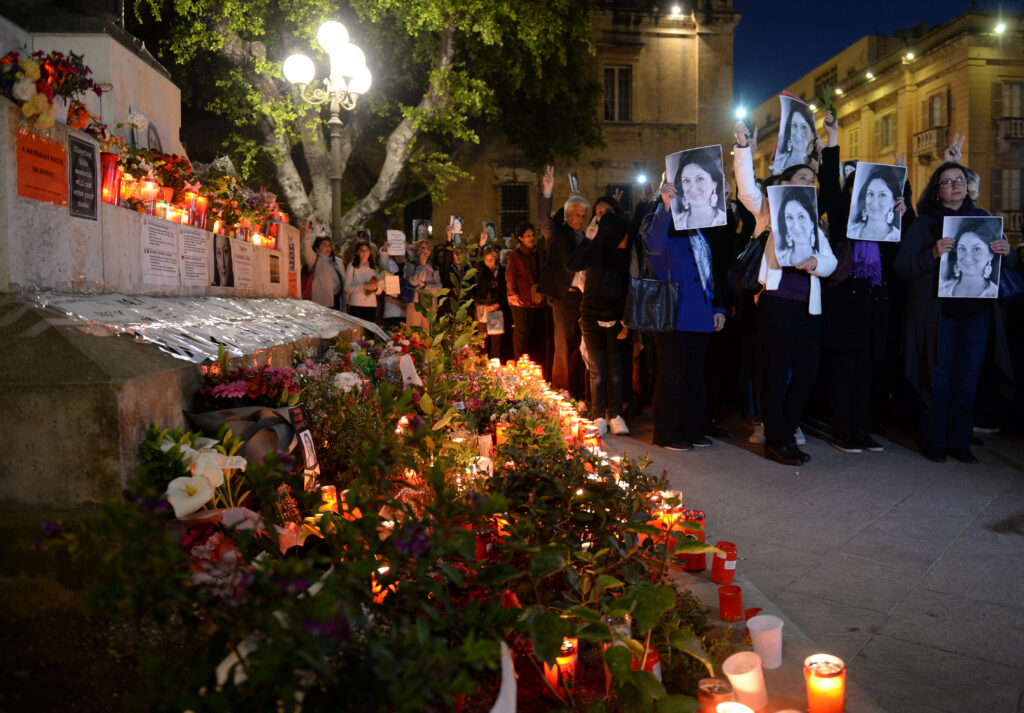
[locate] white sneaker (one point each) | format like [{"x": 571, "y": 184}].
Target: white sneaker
[
  {"x": 602, "y": 426},
  {"x": 757, "y": 437},
  {"x": 801, "y": 439},
  {"x": 618, "y": 426}
]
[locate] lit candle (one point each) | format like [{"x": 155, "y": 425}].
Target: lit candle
[
  {"x": 501, "y": 433},
  {"x": 565, "y": 665},
  {"x": 201, "y": 203},
  {"x": 733, "y": 707},
  {"x": 825, "y": 676},
  {"x": 148, "y": 190},
  {"x": 380, "y": 593},
  {"x": 172, "y": 213},
  {"x": 329, "y": 495}
]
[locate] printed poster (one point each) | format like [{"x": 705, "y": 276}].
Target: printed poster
[
  {"x": 84, "y": 194},
  {"x": 193, "y": 247},
  {"x": 971, "y": 268},
  {"x": 396, "y": 242},
  {"x": 42, "y": 168},
  {"x": 158, "y": 241},
  {"x": 243, "y": 263}
]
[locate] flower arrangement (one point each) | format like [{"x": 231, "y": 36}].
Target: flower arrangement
[
  {"x": 35, "y": 80},
  {"x": 228, "y": 387},
  {"x": 68, "y": 76}
]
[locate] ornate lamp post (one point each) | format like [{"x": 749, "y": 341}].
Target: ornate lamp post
[{"x": 349, "y": 79}]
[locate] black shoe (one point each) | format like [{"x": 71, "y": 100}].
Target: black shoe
[
  {"x": 841, "y": 444},
  {"x": 675, "y": 446},
  {"x": 935, "y": 455},
  {"x": 718, "y": 432},
  {"x": 802, "y": 455},
  {"x": 963, "y": 455},
  {"x": 702, "y": 442},
  {"x": 784, "y": 455},
  {"x": 870, "y": 444}
]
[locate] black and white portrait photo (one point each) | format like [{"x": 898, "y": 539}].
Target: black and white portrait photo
[
  {"x": 873, "y": 214},
  {"x": 846, "y": 169},
  {"x": 700, "y": 187},
  {"x": 223, "y": 266},
  {"x": 970, "y": 269},
  {"x": 421, "y": 230},
  {"x": 491, "y": 231},
  {"x": 796, "y": 135},
  {"x": 794, "y": 211}
]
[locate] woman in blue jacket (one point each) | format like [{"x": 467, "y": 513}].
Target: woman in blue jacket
[{"x": 684, "y": 257}]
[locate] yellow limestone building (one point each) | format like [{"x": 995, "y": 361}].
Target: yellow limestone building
[
  {"x": 912, "y": 91},
  {"x": 668, "y": 86}
]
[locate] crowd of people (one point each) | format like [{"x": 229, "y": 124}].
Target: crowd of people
[{"x": 864, "y": 304}]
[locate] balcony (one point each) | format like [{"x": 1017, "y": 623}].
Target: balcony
[
  {"x": 1013, "y": 221},
  {"x": 1010, "y": 129},
  {"x": 931, "y": 143}
]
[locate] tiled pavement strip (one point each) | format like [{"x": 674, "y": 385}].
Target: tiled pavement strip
[{"x": 912, "y": 572}]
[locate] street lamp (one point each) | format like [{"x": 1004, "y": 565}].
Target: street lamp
[{"x": 349, "y": 79}]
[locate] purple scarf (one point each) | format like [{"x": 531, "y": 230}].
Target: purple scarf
[{"x": 867, "y": 263}]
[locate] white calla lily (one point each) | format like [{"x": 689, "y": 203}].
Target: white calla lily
[
  {"x": 188, "y": 494},
  {"x": 203, "y": 443},
  {"x": 208, "y": 466}
]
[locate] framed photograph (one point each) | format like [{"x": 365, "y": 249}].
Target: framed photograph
[
  {"x": 796, "y": 135},
  {"x": 971, "y": 269},
  {"x": 491, "y": 231},
  {"x": 700, "y": 187},
  {"x": 422, "y": 229},
  {"x": 363, "y": 234},
  {"x": 873, "y": 214},
  {"x": 574, "y": 182},
  {"x": 456, "y": 224},
  {"x": 794, "y": 211}
]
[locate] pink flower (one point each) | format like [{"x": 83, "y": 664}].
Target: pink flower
[{"x": 230, "y": 390}]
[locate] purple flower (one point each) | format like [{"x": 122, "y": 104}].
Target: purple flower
[
  {"x": 53, "y": 528},
  {"x": 412, "y": 541},
  {"x": 335, "y": 630},
  {"x": 415, "y": 422}
]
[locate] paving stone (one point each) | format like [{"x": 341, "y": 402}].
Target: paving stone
[
  {"x": 989, "y": 576},
  {"x": 903, "y": 536},
  {"x": 839, "y": 628},
  {"x": 913, "y": 678},
  {"x": 863, "y": 581},
  {"x": 952, "y": 623}
]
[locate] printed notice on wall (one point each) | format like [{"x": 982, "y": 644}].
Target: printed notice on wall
[
  {"x": 193, "y": 246},
  {"x": 159, "y": 249},
  {"x": 242, "y": 259},
  {"x": 84, "y": 194},
  {"x": 42, "y": 168}
]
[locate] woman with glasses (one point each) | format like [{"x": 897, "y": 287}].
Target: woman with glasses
[{"x": 947, "y": 337}]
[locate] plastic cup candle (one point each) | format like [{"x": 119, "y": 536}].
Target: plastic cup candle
[
  {"x": 565, "y": 666},
  {"x": 766, "y": 634},
  {"x": 694, "y": 562},
  {"x": 148, "y": 191},
  {"x": 747, "y": 679},
  {"x": 733, "y": 707},
  {"x": 825, "y": 676}
]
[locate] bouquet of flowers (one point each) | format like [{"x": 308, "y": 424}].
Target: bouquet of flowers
[
  {"x": 174, "y": 171},
  {"x": 67, "y": 75},
  {"x": 247, "y": 386},
  {"x": 22, "y": 81}
]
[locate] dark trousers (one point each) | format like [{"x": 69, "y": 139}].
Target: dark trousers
[
  {"x": 949, "y": 419},
  {"x": 849, "y": 386},
  {"x": 566, "y": 312},
  {"x": 791, "y": 349},
  {"x": 367, "y": 313},
  {"x": 679, "y": 389},
  {"x": 604, "y": 356},
  {"x": 524, "y": 320}
]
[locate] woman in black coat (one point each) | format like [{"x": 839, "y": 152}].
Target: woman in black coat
[{"x": 491, "y": 295}]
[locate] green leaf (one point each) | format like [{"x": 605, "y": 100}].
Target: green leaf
[
  {"x": 426, "y": 404},
  {"x": 689, "y": 545},
  {"x": 689, "y": 643},
  {"x": 586, "y": 614},
  {"x": 545, "y": 565},
  {"x": 619, "y": 661},
  {"x": 547, "y": 630},
  {"x": 606, "y": 581},
  {"x": 497, "y": 574},
  {"x": 646, "y": 682},
  {"x": 678, "y": 703},
  {"x": 650, "y": 601},
  {"x": 463, "y": 341}
]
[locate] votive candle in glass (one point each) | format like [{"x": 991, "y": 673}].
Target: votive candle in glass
[
  {"x": 825, "y": 676},
  {"x": 565, "y": 664}
]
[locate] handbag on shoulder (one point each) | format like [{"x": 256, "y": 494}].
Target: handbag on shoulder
[
  {"x": 651, "y": 304},
  {"x": 742, "y": 275}
]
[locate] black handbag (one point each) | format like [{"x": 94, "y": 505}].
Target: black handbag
[
  {"x": 1011, "y": 284},
  {"x": 743, "y": 272},
  {"x": 651, "y": 304}
]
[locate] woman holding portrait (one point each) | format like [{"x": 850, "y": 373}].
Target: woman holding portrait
[
  {"x": 876, "y": 211},
  {"x": 947, "y": 338},
  {"x": 699, "y": 201}
]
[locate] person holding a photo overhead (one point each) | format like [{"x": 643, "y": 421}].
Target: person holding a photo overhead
[
  {"x": 788, "y": 309},
  {"x": 699, "y": 201},
  {"x": 796, "y": 143},
  {"x": 876, "y": 213},
  {"x": 947, "y": 337}
]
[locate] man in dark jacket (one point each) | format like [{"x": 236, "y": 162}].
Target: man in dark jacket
[{"x": 562, "y": 286}]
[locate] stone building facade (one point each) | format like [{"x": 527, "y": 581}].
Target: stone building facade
[
  {"x": 668, "y": 87},
  {"x": 911, "y": 92}
]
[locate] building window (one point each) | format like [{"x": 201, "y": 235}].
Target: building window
[
  {"x": 618, "y": 90},
  {"x": 853, "y": 141},
  {"x": 1006, "y": 195},
  {"x": 935, "y": 111},
  {"x": 1007, "y": 100},
  {"x": 515, "y": 206},
  {"x": 885, "y": 131},
  {"x": 827, "y": 78},
  {"x": 626, "y": 202}
]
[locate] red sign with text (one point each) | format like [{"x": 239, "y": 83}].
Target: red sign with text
[{"x": 42, "y": 168}]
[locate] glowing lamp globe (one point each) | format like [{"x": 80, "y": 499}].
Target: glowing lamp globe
[
  {"x": 332, "y": 36},
  {"x": 361, "y": 81},
  {"x": 299, "y": 69},
  {"x": 347, "y": 61}
]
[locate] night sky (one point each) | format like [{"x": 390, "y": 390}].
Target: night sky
[{"x": 779, "y": 42}]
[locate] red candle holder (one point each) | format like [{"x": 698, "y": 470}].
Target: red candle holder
[
  {"x": 562, "y": 675},
  {"x": 694, "y": 562},
  {"x": 111, "y": 170},
  {"x": 730, "y": 602},
  {"x": 723, "y": 566}
]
